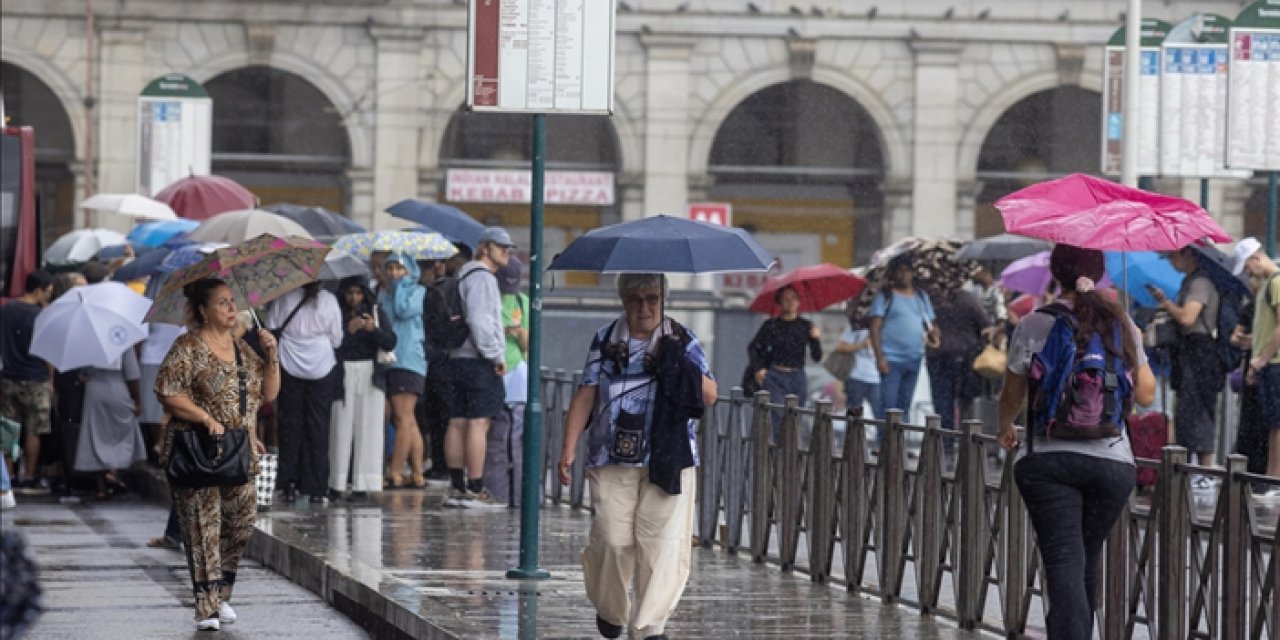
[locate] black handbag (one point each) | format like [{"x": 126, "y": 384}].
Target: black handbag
[{"x": 202, "y": 460}]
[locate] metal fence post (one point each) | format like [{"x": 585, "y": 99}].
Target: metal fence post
[
  {"x": 855, "y": 507},
  {"x": 735, "y": 472},
  {"x": 891, "y": 510},
  {"x": 1235, "y": 549},
  {"x": 1115, "y": 591},
  {"x": 709, "y": 474},
  {"x": 555, "y": 432},
  {"x": 790, "y": 481},
  {"x": 930, "y": 512},
  {"x": 1172, "y": 545},
  {"x": 1016, "y": 553},
  {"x": 973, "y": 528},
  {"x": 762, "y": 474},
  {"x": 821, "y": 499}
]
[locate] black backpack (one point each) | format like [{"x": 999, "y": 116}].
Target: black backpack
[{"x": 445, "y": 315}]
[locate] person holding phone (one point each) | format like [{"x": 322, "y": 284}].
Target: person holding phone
[{"x": 356, "y": 430}]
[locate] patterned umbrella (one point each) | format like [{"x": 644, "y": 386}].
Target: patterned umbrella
[
  {"x": 422, "y": 246},
  {"x": 935, "y": 262},
  {"x": 259, "y": 271}
]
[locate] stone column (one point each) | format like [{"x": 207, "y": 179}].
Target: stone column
[
  {"x": 398, "y": 86},
  {"x": 897, "y": 209},
  {"x": 361, "y": 181},
  {"x": 937, "y": 140},
  {"x": 666, "y": 133},
  {"x": 966, "y": 202},
  {"x": 122, "y": 74}
]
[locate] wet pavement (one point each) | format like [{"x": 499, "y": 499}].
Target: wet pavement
[
  {"x": 102, "y": 582},
  {"x": 405, "y": 563}
]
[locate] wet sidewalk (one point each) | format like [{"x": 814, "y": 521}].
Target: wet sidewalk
[{"x": 404, "y": 566}]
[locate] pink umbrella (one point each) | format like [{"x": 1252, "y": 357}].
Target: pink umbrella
[
  {"x": 1094, "y": 213},
  {"x": 1031, "y": 275},
  {"x": 202, "y": 197}
]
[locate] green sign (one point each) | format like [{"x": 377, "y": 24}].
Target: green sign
[
  {"x": 1263, "y": 14},
  {"x": 1201, "y": 28},
  {"x": 174, "y": 85},
  {"x": 1153, "y": 33}
]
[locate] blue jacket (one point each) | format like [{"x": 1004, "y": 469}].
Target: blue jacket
[{"x": 403, "y": 305}]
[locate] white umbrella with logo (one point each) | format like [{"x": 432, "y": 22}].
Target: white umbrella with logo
[{"x": 90, "y": 326}]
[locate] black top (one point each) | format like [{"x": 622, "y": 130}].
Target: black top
[
  {"x": 17, "y": 323},
  {"x": 364, "y": 345},
  {"x": 782, "y": 342},
  {"x": 960, "y": 321}
]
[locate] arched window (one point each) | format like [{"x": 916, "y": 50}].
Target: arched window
[
  {"x": 278, "y": 135},
  {"x": 803, "y": 158},
  {"x": 29, "y": 102}
]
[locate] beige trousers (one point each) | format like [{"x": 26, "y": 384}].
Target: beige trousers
[
  {"x": 356, "y": 431},
  {"x": 638, "y": 534}
]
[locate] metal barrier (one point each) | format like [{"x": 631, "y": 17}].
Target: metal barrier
[{"x": 943, "y": 529}]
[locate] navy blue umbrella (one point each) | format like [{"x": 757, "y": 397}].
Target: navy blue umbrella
[
  {"x": 1217, "y": 266},
  {"x": 663, "y": 244},
  {"x": 318, "y": 221},
  {"x": 144, "y": 265},
  {"x": 451, "y": 222}
]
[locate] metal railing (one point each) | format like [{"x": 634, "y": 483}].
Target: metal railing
[{"x": 940, "y": 526}]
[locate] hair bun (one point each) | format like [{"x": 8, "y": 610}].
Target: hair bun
[{"x": 190, "y": 289}]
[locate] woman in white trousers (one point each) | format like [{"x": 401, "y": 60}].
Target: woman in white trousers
[{"x": 356, "y": 427}]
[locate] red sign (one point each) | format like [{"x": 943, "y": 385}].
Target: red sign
[
  {"x": 514, "y": 186},
  {"x": 720, "y": 213}
]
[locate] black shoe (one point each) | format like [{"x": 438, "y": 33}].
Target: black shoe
[
  {"x": 334, "y": 496},
  {"x": 660, "y": 636},
  {"x": 358, "y": 496},
  {"x": 608, "y": 629},
  {"x": 317, "y": 500}
]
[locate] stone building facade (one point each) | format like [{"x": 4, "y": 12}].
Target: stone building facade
[{"x": 833, "y": 127}]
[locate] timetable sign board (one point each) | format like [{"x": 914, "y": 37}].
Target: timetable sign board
[
  {"x": 1148, "y": 110},
  {"x": 541, "y": 56},
  {"x": 1193, "y": 109},
  {"x": 1253, "y": 117}
]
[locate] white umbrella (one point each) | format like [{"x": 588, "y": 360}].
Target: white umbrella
[
  {"x": 234, "y": 227},
  {"x": 130, "y": 204},
  {"x": 81, "y": 245},
  {"x": 90, "y": 326}
]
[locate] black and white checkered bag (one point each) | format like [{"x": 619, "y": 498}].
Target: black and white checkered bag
[{"x": 266, "y": 480}]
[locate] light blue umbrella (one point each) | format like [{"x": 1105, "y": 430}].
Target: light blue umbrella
[
  {"x": 1143, "y": 268},
  {"x": 154, "y": 234}
]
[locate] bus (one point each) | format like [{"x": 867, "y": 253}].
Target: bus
[{"x": 19, "y": 245}]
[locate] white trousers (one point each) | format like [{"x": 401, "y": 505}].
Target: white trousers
[
  {"x": 639, "y": 535},
  {"x": 356, "y": 431}
]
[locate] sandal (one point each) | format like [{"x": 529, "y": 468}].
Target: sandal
[
  {"x": 162, "y": 543},
  {"x": 393, "y": 481},
  {"x": 418, "y": 481}
]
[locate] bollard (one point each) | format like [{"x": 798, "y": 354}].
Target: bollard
[
  {"x": 709, "y": 475},
  {"x": 855, "y": 506},
  {"x": 891, "y": 514},
  {"x": 790, "y": 481},
  {"x": 762, "y": 474},
  {"x": 1172, "y": 545},
  {"x": 973, "y": 528},
  {"x": 1235, "y": 549},
  {"x": 821, "y": 501},
  {"x": 930, "y": 516}
]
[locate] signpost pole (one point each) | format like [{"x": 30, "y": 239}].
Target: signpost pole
[
  {"x": 1132, "y": 81},
  {"x": 1271, "y": 213},
  {"x": 1204, "y": 193},
  {"x": 531, "y": 480}
]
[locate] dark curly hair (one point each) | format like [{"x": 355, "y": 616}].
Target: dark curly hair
[{"x": 197, "y": 294}]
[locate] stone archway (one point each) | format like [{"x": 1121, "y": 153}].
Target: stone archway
[
  {"x": 28, "y": 101},
  {"x": 280, "y": 136},
  {"x": 804, "y": 162},
  {"x": 1037, "y": 138}
]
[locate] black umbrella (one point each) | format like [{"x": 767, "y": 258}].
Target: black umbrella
[
  {"x": 1218, "y": 267},
  {"x": 146, "y": 264},
  {"x": 318, "y": 221}
]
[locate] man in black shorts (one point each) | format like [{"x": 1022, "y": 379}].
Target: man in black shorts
[{"x": 476, "y": 369}]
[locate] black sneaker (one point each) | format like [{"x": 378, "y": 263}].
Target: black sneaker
[
  {"x": 358, "y": 496},
  {"x": 660, "y": 636},
  {"x": 606, "y": 628},
  {"x": 289, "y": 496}
]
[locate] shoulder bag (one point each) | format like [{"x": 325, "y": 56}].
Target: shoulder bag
[{"x": 202, "y": 460}]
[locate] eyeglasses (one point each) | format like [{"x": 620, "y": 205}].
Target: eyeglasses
[{"x": 637, "y": 300}]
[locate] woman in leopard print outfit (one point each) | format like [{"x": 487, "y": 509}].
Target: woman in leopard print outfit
[{"x": 199, "y": 384}]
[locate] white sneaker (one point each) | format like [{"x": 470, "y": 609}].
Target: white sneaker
[
  {"x": 483, "y": 500},
  {"x": 208, "y": 624},
  {"x": 1203, "y": 483},
  {"x": 225, "y": 613},
  {"x": 456, "y": 499},
  {"x": 7, "y": 500}
]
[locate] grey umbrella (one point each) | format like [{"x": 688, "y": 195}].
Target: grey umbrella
[
  {"x": 996, "y": 252},
  {"x": 339, "y": 265}
]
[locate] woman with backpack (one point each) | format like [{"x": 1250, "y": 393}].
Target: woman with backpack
[{"x": 1076, "y": 472}]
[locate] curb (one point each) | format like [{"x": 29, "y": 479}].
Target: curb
[{"x": 381, "y": 616}]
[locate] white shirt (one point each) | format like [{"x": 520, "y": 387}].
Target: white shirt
[{"x": 308, "y": 342}]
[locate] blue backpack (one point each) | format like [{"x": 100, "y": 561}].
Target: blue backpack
[{"x": 1076, "y": 393}]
